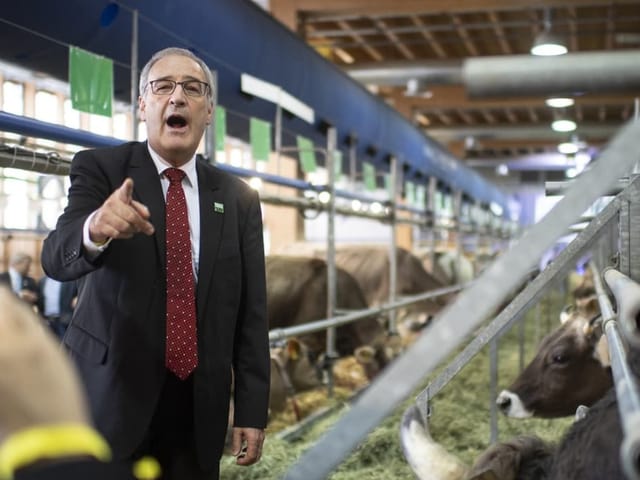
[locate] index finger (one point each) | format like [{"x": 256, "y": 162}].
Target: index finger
[{"x": 125, "y": 192}]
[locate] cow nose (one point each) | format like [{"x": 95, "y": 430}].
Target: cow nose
[{"x": 503, "y": 402}]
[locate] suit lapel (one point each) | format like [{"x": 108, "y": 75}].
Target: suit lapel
[
  {"x": 211, "y": 228},
  {"x": 148, "y": 191}
]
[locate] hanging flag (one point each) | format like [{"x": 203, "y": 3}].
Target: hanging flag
[
  {"x": 307, "y": 154},
  {"x": 91, "y": 81},
  {"x": 260, "y": 134},
  {"x": 369, "y": 176},
  {"x": 221, "y": 128}
]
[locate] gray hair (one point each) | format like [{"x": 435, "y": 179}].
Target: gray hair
[
  {"x": 144, "y": 75},
  {"x": 19, "y": 257}
]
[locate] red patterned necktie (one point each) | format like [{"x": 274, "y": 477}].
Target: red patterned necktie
[{"x": 182, "y": 342}]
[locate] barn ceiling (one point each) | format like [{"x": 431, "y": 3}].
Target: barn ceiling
[{"x": 388, "y": 44}]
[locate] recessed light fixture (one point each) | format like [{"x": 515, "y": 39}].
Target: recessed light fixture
[
  {"x": 559, "y": 102},
  {"x": 563, "y": 126},
  {"x": 568, "y": 148}
]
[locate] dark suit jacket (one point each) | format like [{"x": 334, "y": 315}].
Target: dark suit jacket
[{"x": 117, "y": 334}]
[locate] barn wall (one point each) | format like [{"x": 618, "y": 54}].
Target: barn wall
[{"x": 282, "y": 225}]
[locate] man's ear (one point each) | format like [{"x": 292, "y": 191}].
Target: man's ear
[{"x": 142, "y": 108}]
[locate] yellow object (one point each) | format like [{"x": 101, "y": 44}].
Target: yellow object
[
  {"x": 147, "y": 468},
  {"x": 50, "y": 442}
]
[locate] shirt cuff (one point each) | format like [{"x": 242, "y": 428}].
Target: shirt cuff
[{"x": 89, "y": 245}]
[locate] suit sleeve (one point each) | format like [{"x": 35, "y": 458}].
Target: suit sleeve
[
  {"x": 251, "y": 352},
  {"x": 63, "y": 257}
]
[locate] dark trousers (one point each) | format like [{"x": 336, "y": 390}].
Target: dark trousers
[{"x": 170, "y": 438}]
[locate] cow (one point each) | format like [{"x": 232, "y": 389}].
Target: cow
[
  {"x": 292, "y": 371},
  {"x": 589, "y": 450},
  {"x": 571, "y": 368},
  {"x": 297, "y": 294},
  {"x": 369, "y": 265}
]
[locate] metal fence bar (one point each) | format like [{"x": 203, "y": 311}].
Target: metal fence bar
[
  {"x": 278, "y": 334},
  {"x": 528, "y": 297},
  {"x": 459, "y": 319},
  {"x": 626, "y": 385}
]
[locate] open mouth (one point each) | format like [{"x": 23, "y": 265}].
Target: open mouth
[{"x": 176, "y": 121}]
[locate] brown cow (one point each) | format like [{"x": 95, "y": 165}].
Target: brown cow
[
  {"x": 369, "y": 265},
  {"x": 292, "y": 371},
  {"x": 297, "y": 294},
  {"x": 570, "y": 369},
  {"x": 589, "y": 450}
]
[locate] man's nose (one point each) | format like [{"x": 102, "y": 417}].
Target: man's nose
[{"x": 178, "y": 96}]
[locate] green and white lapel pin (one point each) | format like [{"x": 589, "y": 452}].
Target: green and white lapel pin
[{"x": 218, "y": 207}]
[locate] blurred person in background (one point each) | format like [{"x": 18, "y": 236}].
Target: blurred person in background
[{"x": 18, "y": 279}]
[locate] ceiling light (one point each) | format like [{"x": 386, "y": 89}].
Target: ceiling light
[
  {"x": 548, "y": 44},
  {"x": 559, "y": 102},
  {"x": 255, "y": 183},
  {"x": 563, "y": 126},
  {"x": 343, "y": 55},
  {"x": 502, "y": 170},
  {"x": 568, "y": 148},
  {"x": 422, "y": 119}
]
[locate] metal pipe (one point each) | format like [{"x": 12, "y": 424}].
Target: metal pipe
[
  {"x": 560, "y": 187},
  {"x": 278, "y": 334},
  {"x": 524, "y": 75},
  {"x": 134, "y": 73},
  {"x": 332, "y": 352},
  {"x": 627, "y": 392},
  {"x": 627, "y": 294},
  {"x": 393, "y": 255}
]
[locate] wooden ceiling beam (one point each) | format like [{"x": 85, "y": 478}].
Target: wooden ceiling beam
[
  {"x": 403, "y": 49},
  {"x": 499, "y": 31},
  {"x": 428, "y": 35},
  {"x": 464, "y": 35},
  {"x": 454, "y": 96},
  {"x": 379, "y": 7},
  {"x": 361, "y": 42}
]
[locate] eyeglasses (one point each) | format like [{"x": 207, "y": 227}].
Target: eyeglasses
[{"x": 192, "y": 88}]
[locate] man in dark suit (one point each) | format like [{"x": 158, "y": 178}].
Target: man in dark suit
[
  {"x": 18, "y": 279},
  {"x": 113, "y": 237}
]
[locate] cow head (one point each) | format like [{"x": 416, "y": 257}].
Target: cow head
[
  {"x": 570, "y": 369},
  {"x": 293, "y": 370}
]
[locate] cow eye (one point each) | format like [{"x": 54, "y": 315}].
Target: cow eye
[{"x": 560, "y": 358}]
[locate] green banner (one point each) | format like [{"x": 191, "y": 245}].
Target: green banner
[
  {"x": 421, "y": 196},
  {"x": 369, "y": 176},
  {"x": 410, "y": 192},
  {"x": 260, "y": 133},
  {"x": 221, "y": 128},
  {"x": 307, "y": 154},
  {"x": 337, "y": 164},
  {"x": 388, "y": 185},
  {"x": 91, "y": 82}
]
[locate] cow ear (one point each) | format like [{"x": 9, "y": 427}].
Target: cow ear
[
  {"x": 293, "y": 348},
  {"x": 566, "y": 313}
]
